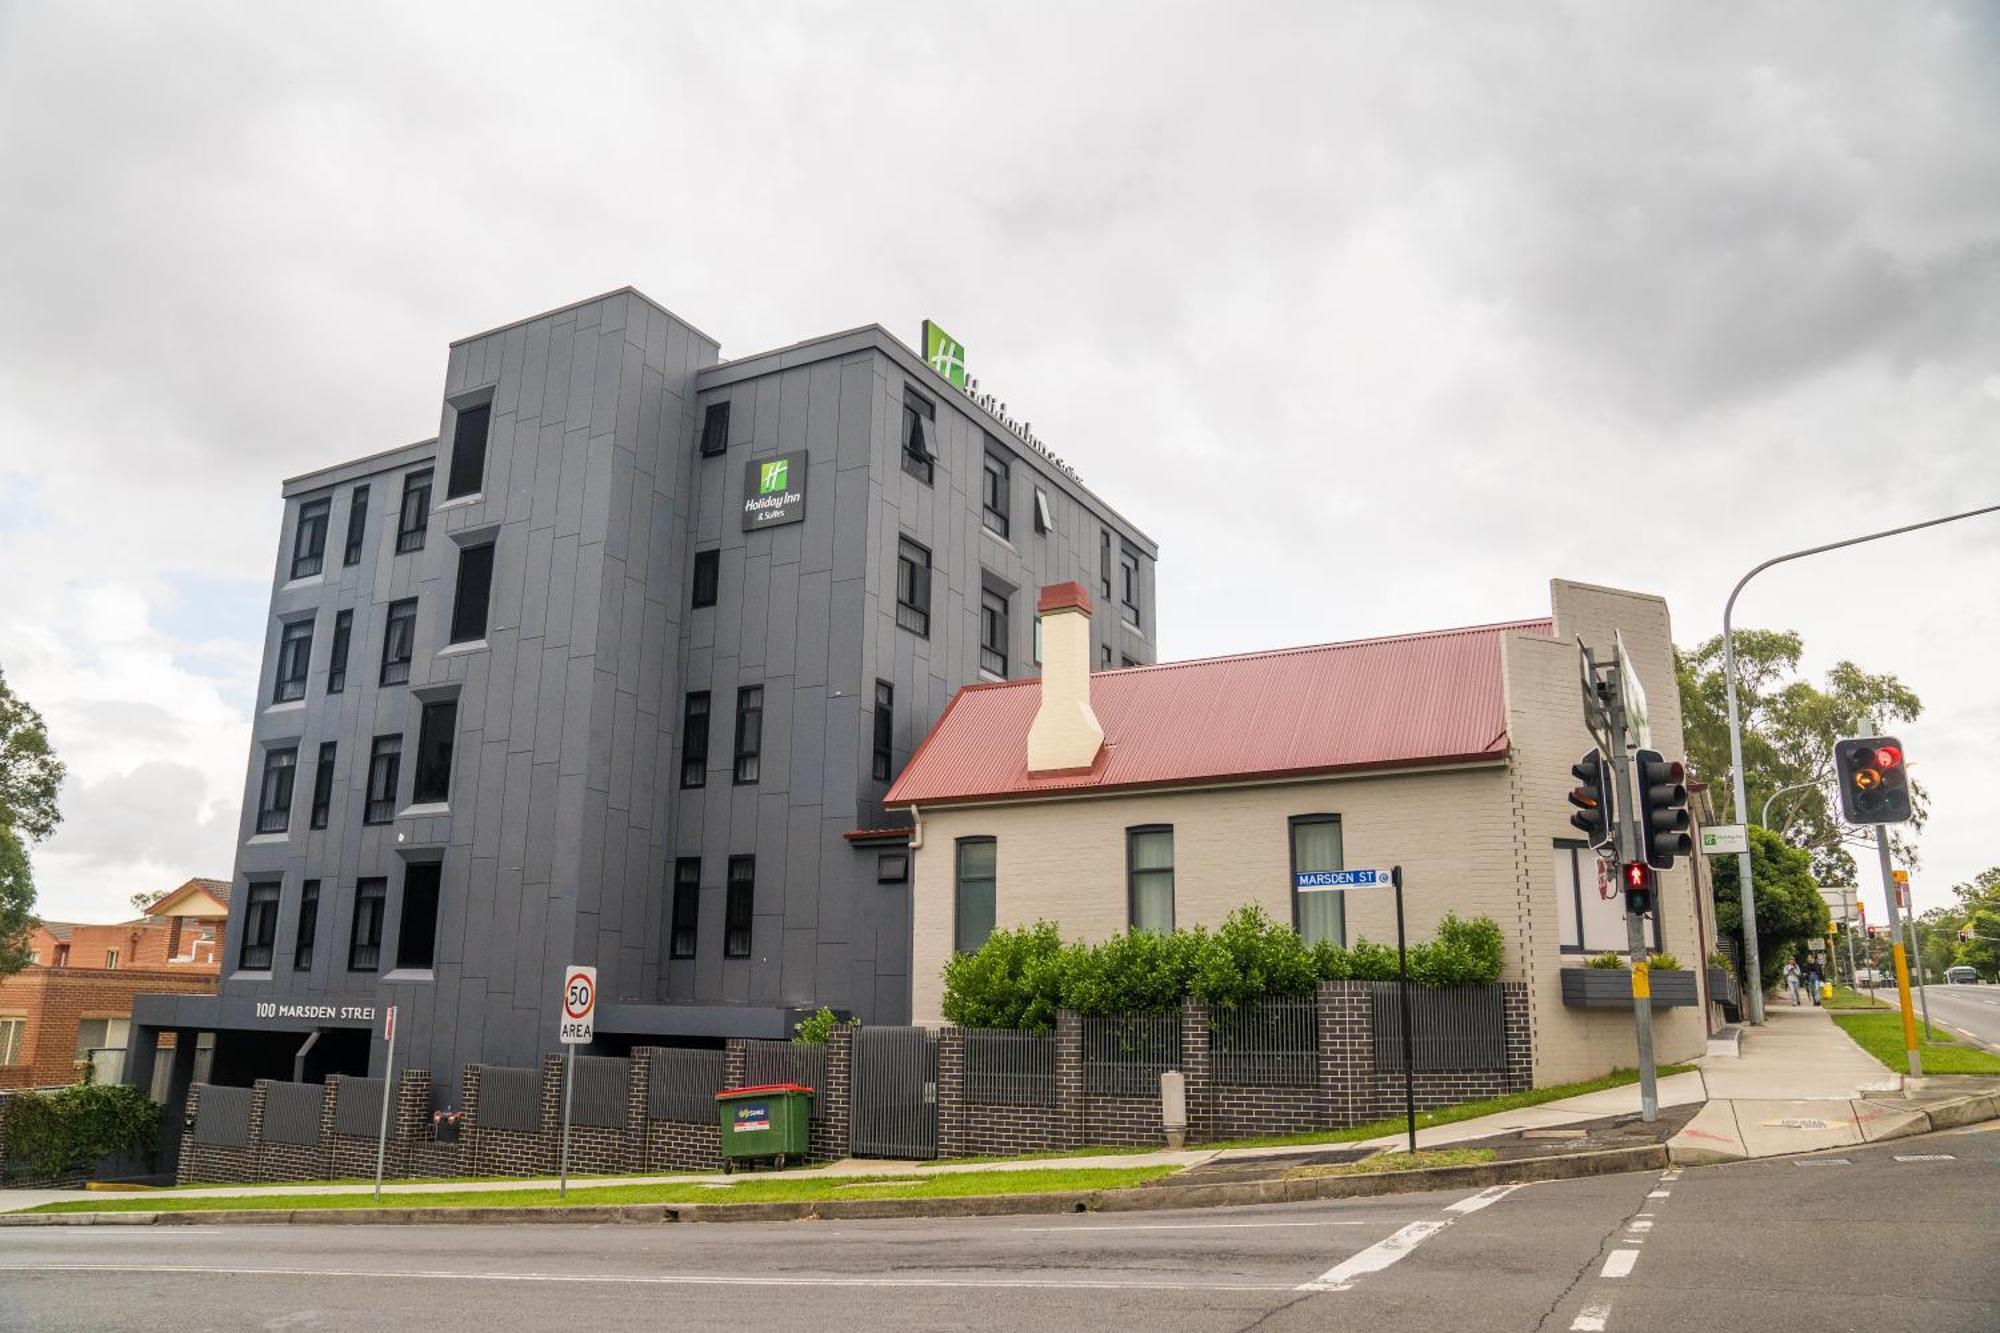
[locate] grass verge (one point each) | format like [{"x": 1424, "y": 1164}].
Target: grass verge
[
  {"x": 1846, "y": 997},
  {"x": 1399, "y": 1161},
  {"x": 1881, "y": 1035},
  {"x": 766, "y": 1190},
  {"x": 1447, "y": 1115}
]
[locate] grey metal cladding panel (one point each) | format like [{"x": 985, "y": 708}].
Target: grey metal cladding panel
[
  {"x": 599, "y": 465},
  {"x": 598, "y": 1097},
  {"x": 554, "y": 680},
  {"x": 358, "y": 1109},
  {"x": 781, "y": 624},
  {"x": 580, "y": 735},
  {"x": 223, "y": 1118},
  {"x": 800, "y": 972},
  {"x": 583, "y": 366},
  {"x": 539, "y": 816},
  {"x": 510, "y": 1098},
  {"x": 536, "y": 566},
  {"x": 547, "y": 476},
  {"x": 534, "y": 370},
  {"x": 803, "y": 888},
  {"x": 291, "y": 1112},
  {"x": 476, "y": 905},
  {"x": 624, "y": 731}
]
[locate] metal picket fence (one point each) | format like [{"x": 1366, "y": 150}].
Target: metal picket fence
[
  {"x": 682, "y": 1084},
  {"x": 1455, "y": 1027},
  {"x": 1125, "y": 1054},
  {"x": 1007, "y": 1068},
  {"x": 801, "y": 1062},
  {"x": 1266, "y": 1044}
]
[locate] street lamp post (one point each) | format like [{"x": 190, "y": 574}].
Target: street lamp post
[
  {"x": 1752, "y": 974},
  {"x": 1765, "y": 821}
]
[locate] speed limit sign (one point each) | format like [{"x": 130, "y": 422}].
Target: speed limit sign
[{"x": 579, "y": 1004}]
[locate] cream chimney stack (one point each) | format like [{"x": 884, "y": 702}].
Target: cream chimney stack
[{"x": 1065, "y": 736}]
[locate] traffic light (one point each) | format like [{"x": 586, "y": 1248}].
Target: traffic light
[
  {"x": 1874, "y": 780},
  {"x": 1661, "y": 797},
  {"x": 1638, "y": 888},
  {"x": 1592, "y": 799}
]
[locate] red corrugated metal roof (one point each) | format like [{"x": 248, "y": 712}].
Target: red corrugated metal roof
[{"x": 1416, "y": 699}]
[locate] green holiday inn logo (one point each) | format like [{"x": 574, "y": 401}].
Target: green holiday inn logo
[
  {"x": 944, "y": 353},
  {"x": 771, "y": 476}
]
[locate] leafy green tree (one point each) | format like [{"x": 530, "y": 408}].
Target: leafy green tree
[
  {"x": 30, "y": 775},
  {"x": 1790, "y": 910},
  {"x": 1790, "y": 726},
  {"x": 17, "y": 905},
  {"x": 1979, "y": 907}
]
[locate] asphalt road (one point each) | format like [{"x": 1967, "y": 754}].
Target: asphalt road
[
  {"x": 1974, "y": 1009},
  {"x": 1762, "y": 1246}
]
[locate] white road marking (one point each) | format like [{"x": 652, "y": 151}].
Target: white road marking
[
  {"x": 1192, "y": 1226},
  {"x": 1619, "y": 1262},
  {"x": 650, "y": 1279},
  {"x": 1927, "y": 1157},
  {"x": 1825, "y": 1161},
  {"x": 1661, "y": 1194},
  {"x": 1640, "y": 1224},
  {"x": 1384, "y": 1252},
  {"x": 1591, "y": 1318}
]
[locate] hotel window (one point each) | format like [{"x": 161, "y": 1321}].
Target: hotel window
[
  {"x": 1318, "y": 914},
  {"x": 996, "y": 498},
  {"x": 686, "y": 907},
  {"x": 973, "y": 904},
  {"x": 738, "y": 906},
  {"x": 1104, "y": 655},
  {"x": 1149, "y": 861},
  {"x": 1043, "y": 522},
  {"x": 385, "y": 767},
  {"x": 1128, "y": 584},
  {"x": 913, "y": 587},
  {"x": 885, "y": 730},
  {"x": 274, "y": 794},
  {"x": 357, "y": 525},
  {"x": 468, "y": 451},
  {"x": 749, "y": 733},
  {"x": 436, "y": 731},
  {"x": 707, "y": 574},
  {"x": 919, "y": 436},
  {"x": 1038, "y": 640},
  {"x": 364, "y": 943},
  {"x": 694, "y": 739},
  {"x": 260, "y": 928},
  {"x": 399, "y": 641},
  {"x": 295, "y": 645},
  {"x": 715, "y": 430},
  {"x": 1104, "y": 560},
  {"x": 323, "y": 786},
  {"x": 308, "y": 930},
  {"x": 413, "y": 520},
  {"x": 336, "y": 664},
  {"x": 475, "y": 590},
  {"x": 416, "y": 931},
  {"x": 309, "y": 545},
  {"x": 993, "y": 632},
  {"x": 1587, "y": 920},
  {"x": 892, "y": 868}
]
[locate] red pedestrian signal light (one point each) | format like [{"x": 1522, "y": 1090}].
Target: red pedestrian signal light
[
  {"x": 1638, "y": 888},
  {"x": 1874, "y": 778}
]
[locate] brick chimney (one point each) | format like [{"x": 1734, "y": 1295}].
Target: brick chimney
[{"x": 1065, "y": 736}]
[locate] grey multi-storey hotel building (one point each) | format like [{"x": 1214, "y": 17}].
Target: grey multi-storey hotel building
[{"x": 616, "y": 671}]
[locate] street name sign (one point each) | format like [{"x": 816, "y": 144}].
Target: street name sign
[
  {"x": 1308, "y": 880},
  {"x": 579, "y": 1005},
  {"x": 1725, "y": 839}
]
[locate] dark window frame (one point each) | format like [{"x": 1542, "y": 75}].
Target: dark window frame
[
  {"x": 399, "y": 631},
  {"x": 1292, "y": 826},
  {"x": 1132, "y": 873},
  {"x": 1581, "y": 855},
  {"x": 472, "y": 594},
  {"x": 882, "y": 761},
  {"x": 309, "y": 539},
  {"x": 357, "y": 527},
  {"x": 276, "y": 787},
  {"x": 715, "y": 429},
  {"x": 295, "y": 641},
  {"x": 305, "y": 933},
  {"x": 695, "y": 736},
  {"x": 385, "y": 777},
  {"x": 467, "y": 475},
  {"x": 707, "y": 579},
  {"x": 739, "y": 911},
  {"x": 413, "y": 513},
  {"x": 260, "y": 925},
  {"x": 1131, "y": 594},
  {"x": 322, "y": 797},
  {"x": 749, "y": 750},
  {"x": 959, "y": 883},
  {"x": 417, "y": 916},
  {"x": 996, "y": 491},
  {"x": 1045, "y": 521},
  {"x": 364, "y": 934},
  {"x": 892, "y": 867},
  {"x": 1104, "y": 561},
  {"x": 684, "y": 930},
  {"x": 995, "y": 629},
  {"x": 920, "y": 450},
  {"x": 913, "y": 589},
  {"x": 437, "y": 738},
  {"x": 336, "y": 658}
]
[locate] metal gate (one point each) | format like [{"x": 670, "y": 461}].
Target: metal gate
[{"x": 895, "y": 1093}]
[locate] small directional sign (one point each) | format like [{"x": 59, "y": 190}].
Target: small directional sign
[{"x": 1307, "y": 880}]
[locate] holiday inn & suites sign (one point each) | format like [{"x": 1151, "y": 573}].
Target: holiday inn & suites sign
[{"x": 774, "y": 490}]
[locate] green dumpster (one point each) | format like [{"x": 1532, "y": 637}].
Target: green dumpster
[{"x": 771, "y": 1120}]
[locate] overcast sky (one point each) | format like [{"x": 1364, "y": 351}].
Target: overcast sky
[{"x": 1588, "y": 290}]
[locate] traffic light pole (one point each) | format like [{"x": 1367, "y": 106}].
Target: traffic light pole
[
  {"x": 1631, "y": 850},
  {"x": 1902, "y": 961}
]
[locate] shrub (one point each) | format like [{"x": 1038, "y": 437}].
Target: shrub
[
  {"x": 1252, "y": 956},
  {"x": 1666, "y": 962},
  {"x": 73, "y": 1129},
  {"x": 1717, "y": 958},
  {"x": 1610, "y": 962},
  {"x": 1016, "y": 980},
  {"x": 817, "y": 1027}
]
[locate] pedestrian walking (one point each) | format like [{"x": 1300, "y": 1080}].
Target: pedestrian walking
[
  {"x": 1818, "y": 980},
  {"x": 1792, "y": 980}
]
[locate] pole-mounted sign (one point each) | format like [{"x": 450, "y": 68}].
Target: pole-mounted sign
[
  {"x": 1327, "y": 881},
  {"x": 579, "y": 1025}
]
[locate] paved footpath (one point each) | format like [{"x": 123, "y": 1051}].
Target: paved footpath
[{"x": 1825, "y": 1241}]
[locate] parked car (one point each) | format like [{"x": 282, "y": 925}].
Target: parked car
[{"x": 1961, "y": 976}]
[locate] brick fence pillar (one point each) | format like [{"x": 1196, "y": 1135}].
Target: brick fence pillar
[
  {"x": 1346, "y": 1052},
  {"x": 411, "y": 1121},
  {"x": 329, "y": 1094},
  {"x": 550, "y": 1139},
  {"x": 469, "y": 1132},
  {"x": 951, "y": 1092},
  {"x": 1520, "y": 1036},
  {"x": 1197, "y": 1070},
  {"x": 1071, "y": 1112},
  {"x": 837, "y": 1121},
  {"x": 638, "y": 1093},
  {"x": 185, "y": 1173}
]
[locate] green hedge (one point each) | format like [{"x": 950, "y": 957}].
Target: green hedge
[
  {"x": 72, "y": 1129},
  {"x": 1022, "y": 976}
]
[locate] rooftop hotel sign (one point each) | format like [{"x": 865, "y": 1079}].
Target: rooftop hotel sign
[{"x": 774, "y": 490}]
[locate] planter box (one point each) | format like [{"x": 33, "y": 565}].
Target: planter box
[
  {"x": 1602, "y": 988},
  {"x": 1722, "y": 985}
]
